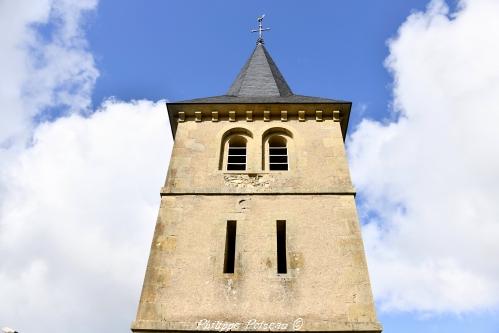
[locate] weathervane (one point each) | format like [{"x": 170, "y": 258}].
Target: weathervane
[{"x": 260, "y": 30}]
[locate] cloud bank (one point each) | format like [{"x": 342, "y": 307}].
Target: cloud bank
[
  {"x": 429, "y": 175},
  {"x": 78, "y": 187},
  {"x": 77, "y": 219}
]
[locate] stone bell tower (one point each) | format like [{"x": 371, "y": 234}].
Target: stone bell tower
[{"x": 257, "y": 228}]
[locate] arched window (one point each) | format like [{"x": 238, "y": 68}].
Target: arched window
[
  {"x": 236, "y": 154},
  {"x": 278, "y": 149},
  {"x": 278, "y": 153},
  {"x": 234, "y": 145}
]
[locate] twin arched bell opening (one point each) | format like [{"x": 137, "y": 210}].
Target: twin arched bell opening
[{"x": 235, "y": 150}]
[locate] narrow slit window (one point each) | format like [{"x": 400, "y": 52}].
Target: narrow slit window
[
  {"x": 282, "y": 267},
  {"x": 230, "y": 247},
  {"x": 278, "y": 153},
  {"x": 236, "y": 156}
]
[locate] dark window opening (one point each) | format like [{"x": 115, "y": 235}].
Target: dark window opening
[
  {"x": 278, "y": 153},
  {"x": 281, "y": 247},
  {"x": 236, "y": 155},
  {"x": 230, "y": 247}
]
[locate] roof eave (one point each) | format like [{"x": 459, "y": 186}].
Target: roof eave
[{"x": 171, "y": 106}]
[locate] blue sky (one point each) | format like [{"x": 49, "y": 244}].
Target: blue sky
[
  {"x": 83, "y": 94},
  {"x": 186, "y": 49}
]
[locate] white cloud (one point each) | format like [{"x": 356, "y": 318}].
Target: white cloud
[
  {"x": 78, "y": 194},
  {"x": 429, "y": 179},
  {"x": 78, "y": 218},
  {"x": 42, "y": 71}
]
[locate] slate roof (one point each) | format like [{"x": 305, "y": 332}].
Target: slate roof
[
  {"x": 260, "y": 81},
  {"x": 260, "y": 77}
]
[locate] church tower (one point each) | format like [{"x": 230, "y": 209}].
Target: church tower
[{"x": 257, "y": 228}]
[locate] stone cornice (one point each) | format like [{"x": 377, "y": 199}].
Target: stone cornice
[{"x": 339, "y": 112}]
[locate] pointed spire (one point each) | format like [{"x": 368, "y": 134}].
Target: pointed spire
[{"x": 259, "y": 77}]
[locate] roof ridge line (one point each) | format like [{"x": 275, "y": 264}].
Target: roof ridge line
[
  {"x": 276, "y": 73},
  {"x": 245, "y": 68}
]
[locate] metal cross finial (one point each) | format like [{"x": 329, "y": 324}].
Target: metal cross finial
[{"x": 260, "y": 30}]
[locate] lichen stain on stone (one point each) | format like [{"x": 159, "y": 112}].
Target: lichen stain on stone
[
  {"x": 192, "y": 144},
  {"x": 296, "y": 260},
  {"x": 167, "y": 244},
  {"x": 268, "y": 263},
  {"x": 163, "y": 277}
]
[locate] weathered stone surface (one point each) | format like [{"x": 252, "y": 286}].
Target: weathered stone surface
[{"x": 327, "y": 284}]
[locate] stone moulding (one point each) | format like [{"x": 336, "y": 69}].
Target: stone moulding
[
  {"x": 214, "y": 116},
  {"x": 198, "y": 116},
  {"x": 301, "y": 115},
  {"x": 318, "y": 115},
  {"x": 232, "y": 115},
  {"x": 181, "y": 116},
  {"x": 336, "y": 115},
  {"x": 284, "y": 115},
  {"x": 249, "y": 115},
  {"x": 266, "y": 115}
]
